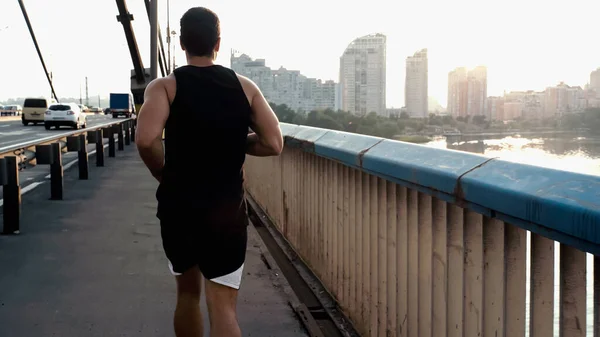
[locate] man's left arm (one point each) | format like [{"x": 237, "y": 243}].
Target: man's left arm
[{"x": 150, "y": 125}]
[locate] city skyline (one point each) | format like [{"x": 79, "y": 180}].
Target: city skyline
[
  {"x": 96, "y": 48},
  {"x": 593, "y": 82}
]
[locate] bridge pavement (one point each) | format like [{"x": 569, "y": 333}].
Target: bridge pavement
[{"x": 93, "y": 264}]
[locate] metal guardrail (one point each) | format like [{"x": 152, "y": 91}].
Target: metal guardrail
[{"x": 48, "y": 151}]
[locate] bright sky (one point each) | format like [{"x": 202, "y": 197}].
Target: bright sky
[{"x": 526, "y": 44}]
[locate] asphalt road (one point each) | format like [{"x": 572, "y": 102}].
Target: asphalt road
[{"x": 13, "y": 132}]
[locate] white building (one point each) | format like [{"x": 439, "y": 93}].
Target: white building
[
  {"x": 256, "y": 70},
  {"x": 415, "y": 88},
  {"x": 338, "y": 97},
  {"x": 363, "y": 75},
  {"x": 289, "y": 87},
  {"x": 595, "y": 81}
]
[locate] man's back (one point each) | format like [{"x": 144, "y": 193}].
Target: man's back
[
  {"x": 205, "y": 111},
  {"x": 205, "y": 137}
]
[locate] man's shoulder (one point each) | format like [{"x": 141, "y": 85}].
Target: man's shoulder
[
  {"x": 247, "y": 84},
  {"x": 163, "y": 81},
  {"x": 166, "y": 84}
]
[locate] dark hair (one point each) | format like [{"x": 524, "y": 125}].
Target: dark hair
[{"x": 200, "y": 31}]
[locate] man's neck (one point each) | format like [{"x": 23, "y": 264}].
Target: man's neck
[{"x": 200, "y": 61}]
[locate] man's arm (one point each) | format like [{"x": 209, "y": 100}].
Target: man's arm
[
  {"x": 266, "y": 140},
  {"x": 150, "y": 125}
]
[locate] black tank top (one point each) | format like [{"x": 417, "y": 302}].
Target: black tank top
[{"x": 205, "y": 140}]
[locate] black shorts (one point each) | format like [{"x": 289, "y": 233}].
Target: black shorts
[{"x": 214, "y": 238}]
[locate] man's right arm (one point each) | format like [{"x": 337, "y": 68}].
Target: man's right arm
[{"x": 266, "y": 140}]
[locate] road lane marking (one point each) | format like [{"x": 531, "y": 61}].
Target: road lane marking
[
  {"x": 32, "y": 186},
  {"x": 30, "y": 137},
  {"x": 73, "y": 162},
  {"x": 26, "y": 189}
]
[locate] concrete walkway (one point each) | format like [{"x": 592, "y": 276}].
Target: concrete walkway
[{"x": 93, "y": 264}]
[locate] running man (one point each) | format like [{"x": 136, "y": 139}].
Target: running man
[{"x": 205, "y": 110}]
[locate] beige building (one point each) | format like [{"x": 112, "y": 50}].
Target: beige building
[
  {"x": 415, "y": 86},
  {"x": 563, "y": 99},
  {"x": 595, "y": 81},
  {"x": 363, "y": 76},
  {"x": 531, "y": 104},
  {"x": 457, "y": 92},
  {"x": 512, "y": 110},
  {"x": 476, "y": 91},
  {"x": 495, "y": 108},
  {"x": 467, "y": 92}
]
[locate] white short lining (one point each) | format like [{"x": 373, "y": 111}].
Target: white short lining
[{"x": 232, "y": 280}]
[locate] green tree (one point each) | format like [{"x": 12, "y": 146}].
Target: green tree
[
  {"x": 387, "y": 129},
  {"x": 479, "y": 120},
  {"x": 283, "y": 112},
  {"x": 321, "y": 120}
]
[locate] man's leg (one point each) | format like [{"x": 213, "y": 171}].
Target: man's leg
[
  {"x": 188, "y": 319},
  {"x": 222, "y": 301}
]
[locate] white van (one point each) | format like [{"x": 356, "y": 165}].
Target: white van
[{"x": 34, "y": 109}]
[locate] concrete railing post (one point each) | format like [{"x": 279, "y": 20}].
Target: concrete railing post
[
  {"x": 56, "y": 173},
  {"x": 128, "y": 133},
  {"x": 133, "y": 127},
  {"x": 99, "y": 149},
  {"x": 82, "y": 156},
  {"x": 120, "y": 139},
  {"x": 111, "y": 141},
  {"x": 9, "y": 178}
]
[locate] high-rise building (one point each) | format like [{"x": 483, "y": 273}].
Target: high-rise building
[
  {"x": 595, "y": 81},
  {"x": 563, "y": 99},
  {"x": 363, "y": 77},
  {"x": 467, "y": 92},
  {"x": 457, "y": 92},
  {"x": 338, "y": 97},
  {"x": 256, "y": 70},
  {"x": 415, "y": 88},
  {"x": 495, "y": 108},
  {"x": 289, "y": 87},
  {"x": 477, "y": 91}
]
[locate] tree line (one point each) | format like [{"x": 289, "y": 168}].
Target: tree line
[
  {"x": 371, "y": 124},
  {"x": 388, "y": 127}
]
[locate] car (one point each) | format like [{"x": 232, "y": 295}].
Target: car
[
  {"x": 33, "y": 110},
  {"x": 83, "y": 108},
  {"x": 64, "y": 114},
  {"x": 12, "y": 110}
]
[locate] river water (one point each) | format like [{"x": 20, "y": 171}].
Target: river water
[{"x": 574, "y": 152}]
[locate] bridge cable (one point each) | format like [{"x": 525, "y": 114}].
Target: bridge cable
[
  {"x": 37, "y": 48},
  {"x": 161, "y": 55}
]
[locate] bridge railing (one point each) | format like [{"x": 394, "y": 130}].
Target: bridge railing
[
  {"x": 48, "y": 151},
  {"x": 418, "y": 241}
]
